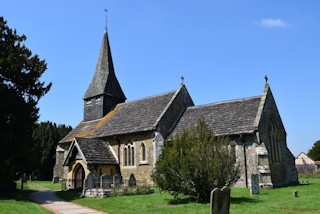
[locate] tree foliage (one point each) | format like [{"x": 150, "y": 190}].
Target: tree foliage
[
  {"x": 314, "y": 152},
  {"x": 20, "y": 91},
  {"x": 46, "y": 136},
  {"x": 195, "y": 163}
]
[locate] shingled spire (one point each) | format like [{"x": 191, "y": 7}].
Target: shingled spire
[{"x": 104, "y": 91}]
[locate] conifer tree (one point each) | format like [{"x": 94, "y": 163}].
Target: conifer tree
[
  {"x": 314, "y": 153},
  {"x": 20, "y": 91},
  {"x": 46, "y": 136},
  {"x": 196, "y": 162}
]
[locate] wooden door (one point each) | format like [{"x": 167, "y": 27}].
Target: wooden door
[{"x": 79, "y": 177}]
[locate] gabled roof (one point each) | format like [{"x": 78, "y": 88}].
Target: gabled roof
[
  {"x": 104, "y": 80},
  {"x": 224, "y": 118},
  {"x": 130, "y": 117},
  {"x": 91, "y": 151}
]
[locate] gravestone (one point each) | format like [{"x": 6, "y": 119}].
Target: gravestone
[
  {"x": 295, "y": 193},
  {"x": 132, "y": 181},
  {"x": 105, "y": 181},
  {"x": 220, "y": 201},
  {"x": 254, "y": 188},
  {"x": 117, "y": 180},
  {"x": 89, "y": 181},
  {"x": 54, "y": 180}
]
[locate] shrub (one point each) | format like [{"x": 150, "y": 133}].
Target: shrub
[{"x": 195, "y": 163}]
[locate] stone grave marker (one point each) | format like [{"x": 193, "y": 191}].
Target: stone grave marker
[
  {"x": 254, "y": 188},
  {"x": 220, "y": 201},
  {"x": 117, "y": 180},
  {"x": 89, "y": 181},
  {"x": 105, "y": 181},
  {"x": 132, "y": 181},
  {"x": 295, "y": 193}
]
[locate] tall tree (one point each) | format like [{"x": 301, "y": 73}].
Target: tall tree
[
  {"x": 20, "y": 91},
  {"x": 195, "y": 163},
  {"x": 46, "y": 136},
  {"x": 314, "y": 152}
]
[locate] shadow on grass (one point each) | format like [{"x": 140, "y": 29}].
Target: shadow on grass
[
  {"x": 177, "y": 201},
  {"x": 16, "y": 195},
  {"x": 240, "y": 200},
  {"x": 69, "y": 195}
]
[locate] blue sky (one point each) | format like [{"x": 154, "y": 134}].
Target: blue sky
[{"x": 223, "y": 48}]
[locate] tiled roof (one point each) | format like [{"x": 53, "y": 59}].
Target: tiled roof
[
  {"x": 134, "y": 116},
  {"x": 96, "y": 151},
  {"x": 83, "y": 129},
  {"x": 224, "y": 118}
]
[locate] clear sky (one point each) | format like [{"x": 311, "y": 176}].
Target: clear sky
[{"x": 223, "y": 48}]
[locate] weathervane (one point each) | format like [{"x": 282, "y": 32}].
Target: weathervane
[
  {"x": 106, "y": 17},
  {"x": 266, "y": 77}
]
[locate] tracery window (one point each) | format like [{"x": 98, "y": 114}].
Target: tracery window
[{"x": 129, "y": 154}]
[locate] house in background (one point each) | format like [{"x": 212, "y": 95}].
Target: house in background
[
  {"x": 305, "y": 165},
  {"x": 118, "y": 137}
]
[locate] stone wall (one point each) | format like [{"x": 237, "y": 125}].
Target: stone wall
[
  {"x": 174, "y": 112},
  {"x": 59, "y": 170},
  {"x": 140, "y": 169},
  {"x": 273, "y": 135}
]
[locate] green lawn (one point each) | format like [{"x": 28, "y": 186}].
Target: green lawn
[
  {"x": 279, "y": 200},
  {"x": 19, "y": 202}
]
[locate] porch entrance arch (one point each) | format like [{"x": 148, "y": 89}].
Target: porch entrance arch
[{"x": 79, "y": 177}]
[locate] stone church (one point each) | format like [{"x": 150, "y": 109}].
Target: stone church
[{"x": 119, "y": 137}]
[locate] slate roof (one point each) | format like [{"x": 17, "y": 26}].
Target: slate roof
[
  {"x": 130, "y": 117},
  {"x": 104, "y": 80},
  {"x": 83, "y": 129},
  {"x": 224, "y": 118},
  {"x": 135, "y": 116},
  {"x": 96, "y": 151}
]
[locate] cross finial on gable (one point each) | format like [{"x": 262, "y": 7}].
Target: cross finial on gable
[
  {"x": 106, "y": 17},
  {"x": 266, "y": 77},
  {"x": 182, "y": 78}
]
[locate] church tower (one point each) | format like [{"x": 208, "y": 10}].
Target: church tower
[{"x": 104, "y": 91}]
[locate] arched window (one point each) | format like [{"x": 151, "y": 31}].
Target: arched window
[
  {"x": 143, "y": 152},
  {"x": 125, "y": 157},
  {"x": 129, "y": 156},
  {"x": 132, "y": 156}
]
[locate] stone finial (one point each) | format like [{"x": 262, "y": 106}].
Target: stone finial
[
  {"x": 266, "y": 77},
  {"x": 182, "y": 78}
]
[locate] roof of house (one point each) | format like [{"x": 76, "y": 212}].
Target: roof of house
[
  {"x": 104, "y": 80},
  {"x": 130, "y": 117},
  {"x": 96, "y": 151},
  {"x": 224, "y": 118}
]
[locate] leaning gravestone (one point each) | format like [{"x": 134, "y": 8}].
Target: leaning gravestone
[
  {"x": 254, "y": 188},
  {"x": 117, "y": 180},
  {"x": 105, "y": 181},
  {"x": 220, "y": 201},
  {"x": 132, "y": 181}
]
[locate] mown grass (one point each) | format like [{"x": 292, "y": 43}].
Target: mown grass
[
  {"x": 19, "y": 202},
  {"x": 279, "y": 200}
]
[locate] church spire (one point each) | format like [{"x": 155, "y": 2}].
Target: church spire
[
  {"x": 104, "y": 80},
  {"x": 104, "y": 91}
]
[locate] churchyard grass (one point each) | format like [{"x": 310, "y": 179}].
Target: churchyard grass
[
  {"x": 19, "y": 202},
  {"x": 278, "y": 200}
]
